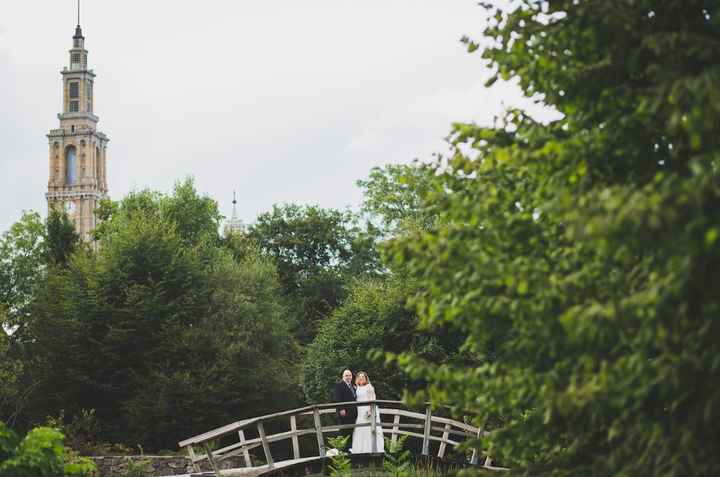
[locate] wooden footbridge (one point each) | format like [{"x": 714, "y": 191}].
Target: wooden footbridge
[{"x": 278, "y": 442}]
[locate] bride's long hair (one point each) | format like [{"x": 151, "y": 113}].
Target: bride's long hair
[{"x": 367, "y": 379}]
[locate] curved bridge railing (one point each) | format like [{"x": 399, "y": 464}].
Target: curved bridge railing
[{"x": 239, "y": 438}]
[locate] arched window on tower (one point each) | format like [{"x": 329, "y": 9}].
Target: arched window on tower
[{"x": 70, "y": 165}]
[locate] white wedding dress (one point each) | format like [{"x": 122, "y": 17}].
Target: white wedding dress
[{"x": 362, "y": 436}]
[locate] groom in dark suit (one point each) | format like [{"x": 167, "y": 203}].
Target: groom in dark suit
[{"x": 345, "y": 391}]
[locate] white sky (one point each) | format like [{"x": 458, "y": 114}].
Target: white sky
[{"x": 283, "y": 100}]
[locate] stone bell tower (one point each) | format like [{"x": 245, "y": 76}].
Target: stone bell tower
[{"x": 78, "y": 162}]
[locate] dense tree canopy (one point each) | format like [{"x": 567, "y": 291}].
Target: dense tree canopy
[
  {"x": 21, "y": 262},
  {"x": 61, "y": 239},
  {"x": 161, "y": 331},
  {"x": 317, "y": 252},
  {"x": 394, "y": 197},
  {"x": 11, "y": 389},
  {"x": 374, "y": 316},
  {"x": 579, "y": 257}
]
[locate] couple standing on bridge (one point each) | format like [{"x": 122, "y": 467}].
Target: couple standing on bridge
[{"x": 361, "y": 390}]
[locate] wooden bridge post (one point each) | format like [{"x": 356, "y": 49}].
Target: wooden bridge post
[
  {"x": 395, "y": 429},
  {"x": 426, "y": 432},
  {"x": 373, "y": 428},
  {"x": 318, "y": 432},
  {"x": 191, "y": 454},
  {"x": 443, "y": 444},
  {"x": 211, "y": 459},
  {"x": 295, "y": 443},
  {"x": 475, "y": 457},
  {"x": 265, "y": 445},
  {"x": 246, "y": 453}
]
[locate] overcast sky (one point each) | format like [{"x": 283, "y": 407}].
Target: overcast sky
[{"x": 283, "y": 100}]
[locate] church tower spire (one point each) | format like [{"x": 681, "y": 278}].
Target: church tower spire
[
  {"x": 78, "y": 177},
  {"x": 234, "y": 225}
]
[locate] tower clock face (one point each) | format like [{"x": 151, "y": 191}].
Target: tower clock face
[{"x": 70, "y": 207}]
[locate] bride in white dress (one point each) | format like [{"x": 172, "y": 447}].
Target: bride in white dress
[{"x": 362, "y": 436}]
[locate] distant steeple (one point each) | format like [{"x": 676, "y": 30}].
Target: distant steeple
[{"x": 234, "y": 225}]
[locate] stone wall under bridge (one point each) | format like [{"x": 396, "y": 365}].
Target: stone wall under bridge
[{"x": 153, "y": 465}]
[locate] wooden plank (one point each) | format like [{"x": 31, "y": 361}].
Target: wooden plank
[
  {"x": 234, "y": 453},
  {"x": 454, "y": 423},
  {"x": 265, "y": 444},
  {"x": 282, "y": 435},
  {"x": 318, "y": 432},
  {"x": 410, "y": 434},
  {"x": 426, "y": 433},
  {"x": 220, "y": 431},
  {"x": 322, "y": 411},
  {"x": 435, "y": 419},
  {"x": 210, "y": 458},
  {"x": 295, "y": 443},
  {"x": 396, "y": 422},
  {"x": 245, "y": 451},
  {"x": 451, "y": 431},
  {"x": 249, "y": 444},
  {"x": 227, "y": 429},
  {"x": 432, "y": 438},
  {"x": 401, "y": 426},
  {"x": 406, "y": 425},
  {"x": 257, "y": 442},
  {"x": 445, "y": 436},
  {"x": 410, "y": 414}
]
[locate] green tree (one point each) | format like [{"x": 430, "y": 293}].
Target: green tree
[
  {"x": 374, "y": 316},
  {"x": 393, "y": 196},
  {"x": 578, "y": 256},
  {"x": 11, "y": 388},
  {"x": 39, "y": 454},
  {"x": 161, "y": 331},
  {"x": 317, "y": 251},
  {"x": 21, "y": 267},
  {"x": 61, "y": 239},
  {"x": 195, "y": 217}
]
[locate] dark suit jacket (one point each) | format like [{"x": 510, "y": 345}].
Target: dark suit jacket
[{"x": 344, "y": 393}]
